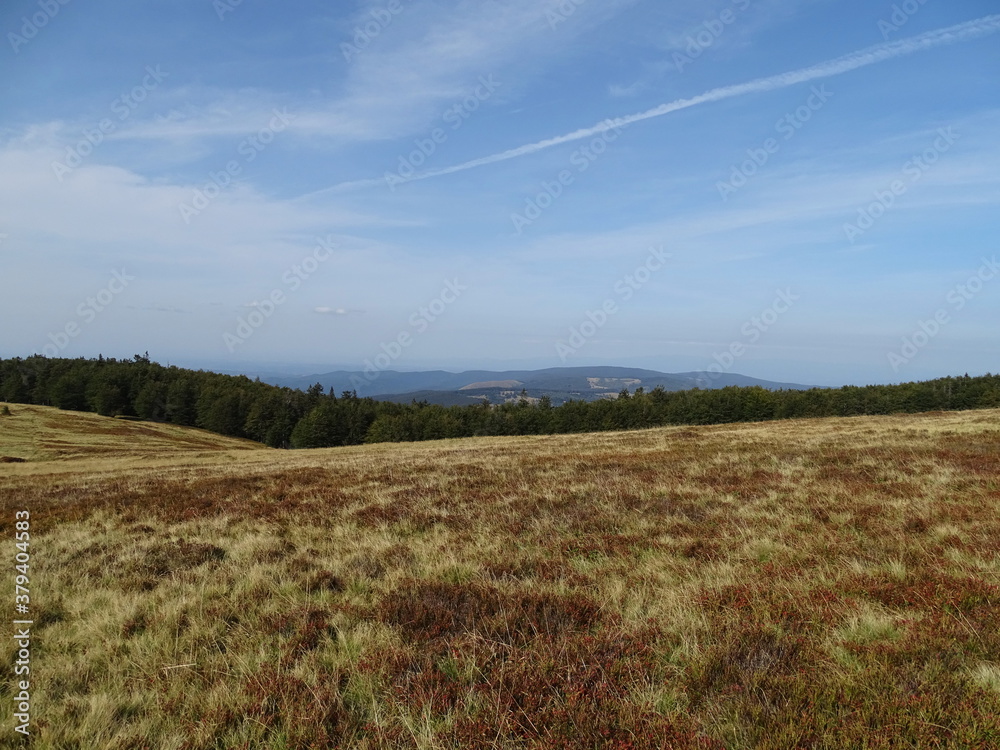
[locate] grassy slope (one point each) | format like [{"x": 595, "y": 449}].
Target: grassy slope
[
  {"x": 824, "y": 583},
  {"x": 40, "y": 433}
]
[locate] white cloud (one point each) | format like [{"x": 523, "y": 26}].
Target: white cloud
[
  {"x": 963, "y": 32},
  {"x": 98, "y": 203},
  {"x": 427, "y": 59},
  {"x": 336, "y": 311},
  {"x": 619, "y": 91}
]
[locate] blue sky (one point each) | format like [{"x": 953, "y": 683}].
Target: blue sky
[{"x": 796, "y": 190}]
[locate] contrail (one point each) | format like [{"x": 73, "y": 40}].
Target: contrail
[{"x": 862, "y": 58}]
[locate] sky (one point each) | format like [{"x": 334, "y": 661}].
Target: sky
[{"x": 797, "y": 190}]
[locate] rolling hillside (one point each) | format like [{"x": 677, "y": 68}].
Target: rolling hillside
[
  {"x": 822, "y": 583},
  {"x": 40, "y": 433}
]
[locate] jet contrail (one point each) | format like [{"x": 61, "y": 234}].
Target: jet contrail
[{"x": 862, "y": 58}]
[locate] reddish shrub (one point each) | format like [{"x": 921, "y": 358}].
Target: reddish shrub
[{"x": 441, "y": 611}]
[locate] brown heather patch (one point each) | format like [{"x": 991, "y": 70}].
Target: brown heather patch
[
  {"x": 286, "y": 709},
  {"x": 972, "y": 459},
  {"x": 302, "y": 630},
  {"x": 144, "y": 568},
  {"x": 366, "y": 567},
  {"x": 384, "y": 514},
  {"x": 745, "y": 485},
  {"x": 429, "y": 612},
  {"x": 277, "y": 550},
  {"x": 522, "y": 569},
  {"x": 915, "y": 525},
  {"x": 540, "y": 671},
  {"x": 814, "y": 583},
  {"x": 162, "y": 499},
  {"x": 780, "y": 598},
  {"x": 322, "y": 580},
  {"x": 571, "y": 694},
  {"x": 939, "y": 593},
  {"x": 750, "y": 660},
  {"x": 693, "y": 507},
  {"x": 703, "y": 550},
  {"x": 164, "y": 559},
  {"x": 621, "y": 546}
]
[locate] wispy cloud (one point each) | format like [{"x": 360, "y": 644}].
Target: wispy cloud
[
  {"x": 336, "y": 311},
  {"x": 963, "y": 32},
  {"x": 797, "y": 207},
  {"x": 426, "y": 59},
  {"x": 619, "y": 91},
  {"x": 159, "y": 308}
]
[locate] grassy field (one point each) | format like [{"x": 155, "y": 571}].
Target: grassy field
[{"x": 815, "y": 583}]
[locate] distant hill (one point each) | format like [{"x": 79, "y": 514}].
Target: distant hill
[{"x": 560, "y": 384}]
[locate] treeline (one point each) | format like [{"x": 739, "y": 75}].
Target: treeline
[{"x": 288, "y": 418}]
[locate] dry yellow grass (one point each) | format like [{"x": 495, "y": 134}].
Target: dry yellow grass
[
  {"x": 47, "y": 438},
  {"x": 816, "y": 583}
]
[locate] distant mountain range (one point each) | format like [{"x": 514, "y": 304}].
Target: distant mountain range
[{"x": 560, "y": 384}]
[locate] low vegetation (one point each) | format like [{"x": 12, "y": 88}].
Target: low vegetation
[{"x": 825, "y": 583}]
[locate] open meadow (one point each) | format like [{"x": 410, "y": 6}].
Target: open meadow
[{"x": 825, "y": 583}]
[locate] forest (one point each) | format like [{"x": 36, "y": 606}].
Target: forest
[{"x": 139, "y": 388}]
